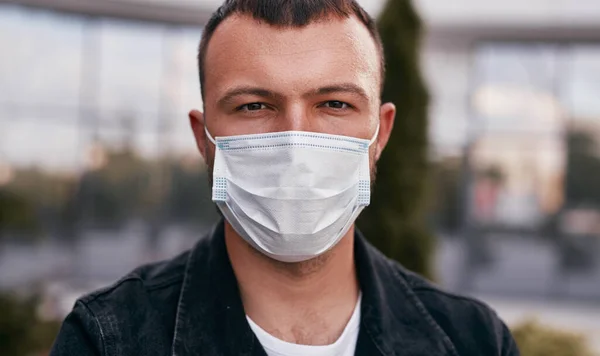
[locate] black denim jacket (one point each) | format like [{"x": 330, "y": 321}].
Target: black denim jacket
[{"x": 190, "y": 305}]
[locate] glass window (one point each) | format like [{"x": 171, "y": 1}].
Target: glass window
[
  {"x": 44, "y": 65},
  {"x": 130, "y": 68},
  {"x": 516, "y": 89},
  {"x": 41, "y": 142},
  {"x": 518, "y": 156},
  {"x": 113, "y": 82},
  {"x": 185, "y": 92},
  {"x": 582, "y": 83}
]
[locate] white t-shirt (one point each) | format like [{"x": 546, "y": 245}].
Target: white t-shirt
[{"x": 344, "y": 346}]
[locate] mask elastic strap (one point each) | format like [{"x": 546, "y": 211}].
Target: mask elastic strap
[
  {"x": 374, "y": 136},
  {"x": 211, "y": 139}
]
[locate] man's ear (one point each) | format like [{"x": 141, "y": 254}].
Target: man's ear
[
  {"x": 197, "y": 123},
  {"x": 387, "y": 115}
]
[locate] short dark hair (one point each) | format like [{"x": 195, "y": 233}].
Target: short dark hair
[{"x": 287, "y": 13}]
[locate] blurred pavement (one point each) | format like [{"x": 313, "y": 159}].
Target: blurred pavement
[{"x": 521, "y": 283}]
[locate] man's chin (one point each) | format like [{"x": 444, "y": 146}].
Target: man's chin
[{"x": 293, "y": 268}]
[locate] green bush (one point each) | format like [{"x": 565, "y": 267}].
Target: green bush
[
  {"x": 17, "y": 213},
  {"x": 535, "y": 339},
  {"x": 22, "y": 333}
]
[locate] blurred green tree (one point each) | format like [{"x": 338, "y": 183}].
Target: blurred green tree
[
  {"x": 536, "y": 339},
  {"x": 396, "y": 220},
  {"x": 446, "y": 209},
  {"x": 583, "y": 169},
  {"x": 118, "y": 190},
  {"x": 189, "y": 199},
  {"x": 21, "y": 331},
  {"x": 17, "y": 213}
]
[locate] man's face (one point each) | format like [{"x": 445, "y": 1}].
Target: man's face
[{"x": 324, "y": 77}]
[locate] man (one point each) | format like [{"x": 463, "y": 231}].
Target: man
[{"x": 291, "y": 131}]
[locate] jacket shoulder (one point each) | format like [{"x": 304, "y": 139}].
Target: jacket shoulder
[
  {"x": 148, "y": 278},
  {"x": 134, "y": 316},
  {"x": 473, "y": 327},
  {"x": 137, "y": 313}
]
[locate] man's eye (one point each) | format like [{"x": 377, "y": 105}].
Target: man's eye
[
  {"x": 252, "y": 107},
  {"x": 334, "y": 104}
]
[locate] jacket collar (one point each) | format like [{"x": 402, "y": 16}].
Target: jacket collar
[
  {"x": 210, "y": 316},
  {"x": 393, "y": 318},
  {"x": 211, "y": 321}
]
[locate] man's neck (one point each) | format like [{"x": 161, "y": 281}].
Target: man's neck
[{"x": 307, "y": 302}]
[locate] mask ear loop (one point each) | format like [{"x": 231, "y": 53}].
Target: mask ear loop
[
  {"x": 373, "y": 139},
  {"x": 211, "y": 139}
]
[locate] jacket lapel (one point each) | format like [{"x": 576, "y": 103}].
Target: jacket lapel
[
  {"x": 393, "y": 320},
  {"x": 210, "y": 316}
]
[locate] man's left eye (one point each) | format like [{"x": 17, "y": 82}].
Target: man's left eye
[{"x": 334, "y": 104}]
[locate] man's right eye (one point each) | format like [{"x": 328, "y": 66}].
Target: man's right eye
[{"x": 252, "y": 107}]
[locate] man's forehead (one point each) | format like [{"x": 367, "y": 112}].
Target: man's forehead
[
  {"x": 242, "y": 40},
  {"x": 241, "y": 26}
]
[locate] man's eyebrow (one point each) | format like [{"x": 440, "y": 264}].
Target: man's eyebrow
[
  {"x": 340, "y": 88},
  {"x": 245, "y": 90}
]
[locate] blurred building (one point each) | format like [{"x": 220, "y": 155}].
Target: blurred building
[
  {"x": 124, "y": 71},
  {"x": 510, "y": 80},
  {"x": 515, "y": 88}
]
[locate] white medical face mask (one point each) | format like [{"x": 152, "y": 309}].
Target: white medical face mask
[{"x": 292, "y": 195}]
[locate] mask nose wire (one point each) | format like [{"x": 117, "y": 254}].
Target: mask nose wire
[{"x": 374, "y": 138}]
